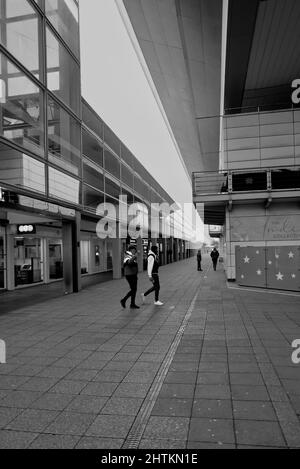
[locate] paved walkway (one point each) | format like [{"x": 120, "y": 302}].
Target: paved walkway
[{"x": 210, "y": 369}]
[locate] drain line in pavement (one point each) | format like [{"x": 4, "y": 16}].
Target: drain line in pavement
[{"x": 137, "y": 430}]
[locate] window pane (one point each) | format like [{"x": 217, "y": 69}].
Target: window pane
[
  {"x": 63, "y": 139},
  {"x": 21, "y": 109},
  {"x": 20, "y": 32},
  {"x": 63, "y": 77},
  {"x": 111, "y": 188},
  {"x": 64, "y": 16},
  {"x": 92, "y": 148},
  {"x": 112, "y": 164},
  {"x": 63, "y": 187},
  {"x": 111, "y": 140},
  {"x": 127, "y": 176},
  {"x": 93, "y": 177},
  {"x": 92, "y": 198},
  {"x": 127, "y": 156},
  {"x": 18, "y": 169},
  {"x": 91, "y": 120}
]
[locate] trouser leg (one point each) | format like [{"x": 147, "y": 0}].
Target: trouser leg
[
  {"x": 132, "y": 280},
  {"x": 156, "y": 287}
]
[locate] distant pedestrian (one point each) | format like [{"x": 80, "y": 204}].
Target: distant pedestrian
[
  {"x": 214, "y": 256},
  {"x": 153, "y": 266},
  {"x": 199, "y": 260},
  {"x": 131, "y": 275}
]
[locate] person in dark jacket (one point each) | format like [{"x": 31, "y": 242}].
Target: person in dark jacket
[
  {"x": 199, "y": 260},
  {"x": 214, "y": 256},
  {"x": 131, "y": 275},
  {"x": 153, "y": 266}
]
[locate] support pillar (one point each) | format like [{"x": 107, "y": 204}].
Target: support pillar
[
  {"x": 10, "y": 265},
  {"x": 71, "y": 250},
  {"x": 116, "y": 258},
  {"x": 140, "y": 254}
]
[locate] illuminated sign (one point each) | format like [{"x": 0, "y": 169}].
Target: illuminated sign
[{"x": 26, "y": 229}]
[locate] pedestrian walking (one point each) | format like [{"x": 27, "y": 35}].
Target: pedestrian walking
[
  {"x": 153, "y": 266},
  {"x": 131, "y": 275},
  {"x": 199, "y": 260},
  {"x": 214, "y": 256}
]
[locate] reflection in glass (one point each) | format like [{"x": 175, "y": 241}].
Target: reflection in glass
[
  {"x": 112, "y": 188},
  {"x": 21, "y": 108},
  {"x": 92, "y": 120},
  {"x": 55, "y": 259},
  {"x": 92, "y": 148},
  {"x": 20, "y": 32},
  {"x": 92, "y": 198},
  {"x": 92, "y": 176},
  {"x": 2, "y": 259},
  {"x": 64, "y": 16},
  {"x": 63, "y": 76},
  {"x": 28, "y": 260},
  {"x": 63, "y": 187},
  {"x": 112, "y": 164},
  {"x": 63, "y": 139},
  {"x": 19, "y": 169},
  {"x": 111, "y": 140}
]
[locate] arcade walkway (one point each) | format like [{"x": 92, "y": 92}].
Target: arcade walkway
[{"x": 211, "y": 368}]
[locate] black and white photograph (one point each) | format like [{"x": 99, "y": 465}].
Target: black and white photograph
[{"x": 149, "y": 228}]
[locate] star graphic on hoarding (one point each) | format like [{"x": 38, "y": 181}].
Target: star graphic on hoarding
[
  {"x": 246, "y": 260},
  {"x": 291, "y": 255},
  {"x": 270, "y": 262},
  {"x": 258, "y": 272},
  {"x": 293, "y": 276},
  {"x": 279, "y": 276},
  {"x": 242, "y": 276},
  {"x": 277, "y": 256},
  {"x": 257, "y": 252}
]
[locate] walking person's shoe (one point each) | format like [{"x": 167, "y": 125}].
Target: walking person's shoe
[
  {"x": 143, "y": 298},
  {"x": 123, "y": 303},
  {"x": 158, "y": 303},
  {"x": 134, "y": 307}
]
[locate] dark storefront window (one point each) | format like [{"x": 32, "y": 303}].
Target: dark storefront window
[
  {"x": 21, "y": 108},
  {"x": 20, "y": 33},
  {"x": 92, "y": 148},
  {"x": 63, "y": 75},
  {"x": 64, "y": 16},
  {"x": 63, "y": 139}
]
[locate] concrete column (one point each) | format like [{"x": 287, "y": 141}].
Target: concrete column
[
  {"x": 46, "y": 261},
  {"x": 116, "y": 258},
  {"x": 165, "y": 254},
  {"x": 139, "y": 246},
  {"x": 180, "y": 249},
  {"x": 71, "y": 250},
  {"x": 10, "y": 264},
  {"x": 175, "y": 250}
]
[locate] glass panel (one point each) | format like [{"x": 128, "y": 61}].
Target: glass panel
[
  {"x": 92, "y": 148},
  {"x": 112, "y": 164},
  {"x": 63, "y": 187},
  {"x": 126, "y": 155},
  {"x": 93, "y": 177},
  {"x": 111, "y": 140},
  {"x": 111, "y": 188},
  {"x": 109, "y": 250},
  {"x": 127, "y": 176},
  {"x": 21, "y": 109},
  {"x": 91, "y": 120},
  {"x": 63, "y": 139},
  {"x": 64, "y": 16},
  {"x": 92, "y": 198},
  {"x": 19, "y": 169},
  {"x": 62, "y": 71},
  {"x": 85, "y": 256},
  {"x": 27, "y": 261},
  {"x": 20, "y": 32},
  {"x": 55, "y": 259}
]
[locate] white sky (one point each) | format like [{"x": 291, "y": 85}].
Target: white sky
[{"x": 114, "y": 84}]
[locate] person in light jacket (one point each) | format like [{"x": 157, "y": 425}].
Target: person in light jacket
[
  {"x": 131, "y": 275},
  {"x": 153, "y": 267}
]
